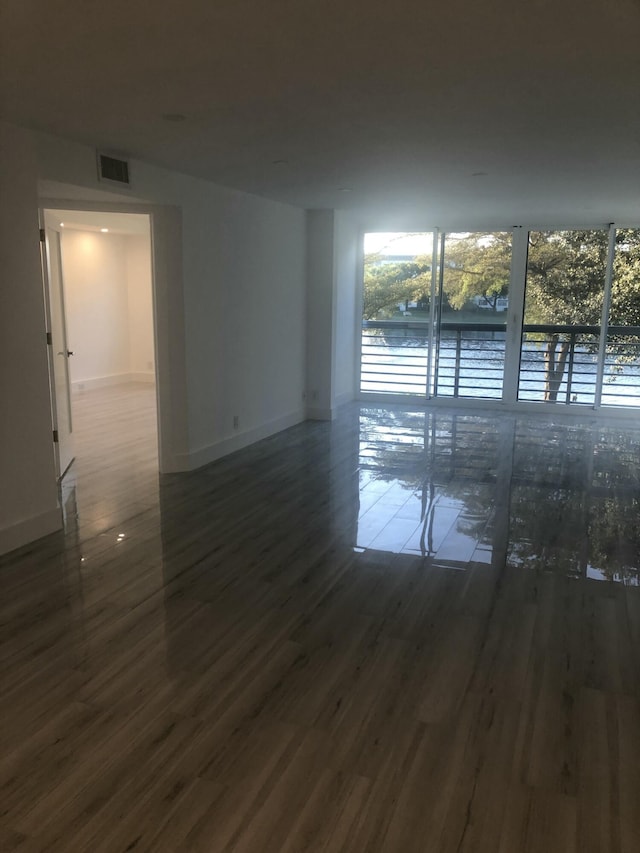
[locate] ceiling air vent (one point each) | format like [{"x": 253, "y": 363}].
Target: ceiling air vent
[{"x": 112, "y": 169}]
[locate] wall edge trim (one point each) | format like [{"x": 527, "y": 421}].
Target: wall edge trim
[
  {"x": 211, "y": 452},
  {"x": 27, "y": 530}
]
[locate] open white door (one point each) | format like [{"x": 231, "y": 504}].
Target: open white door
[{"x": 59, "y": 351}]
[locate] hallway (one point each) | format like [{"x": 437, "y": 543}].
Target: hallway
[{"x": 406, "y": 630}]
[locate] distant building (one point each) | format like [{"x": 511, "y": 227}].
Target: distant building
[{"x": 487, "y": 304}]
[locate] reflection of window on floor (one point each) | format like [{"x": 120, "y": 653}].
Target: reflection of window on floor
[
  {"x": 426, "y": 485},
  {"x": 530, "y": 494}
]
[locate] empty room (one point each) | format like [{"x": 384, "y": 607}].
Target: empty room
[{"x": 321, "y": 459}]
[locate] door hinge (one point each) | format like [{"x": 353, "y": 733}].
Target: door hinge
[
  {"x": 55, "y": 436},
  {"x": 49, "y": 339},
  {"x": 42, "y": 235}
]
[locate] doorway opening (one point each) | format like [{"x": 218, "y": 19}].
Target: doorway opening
[{"x": 99, "y": 277}]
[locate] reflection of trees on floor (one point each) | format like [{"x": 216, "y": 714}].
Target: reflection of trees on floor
[{"x": 462, "y": 489}]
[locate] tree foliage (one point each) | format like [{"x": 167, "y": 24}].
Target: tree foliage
[
  {"x": 565, "y": 277},
  {"x": 565, "y": 285},
  {"x": 386, "y": 285},
  {"x": 476, "y": 264}
]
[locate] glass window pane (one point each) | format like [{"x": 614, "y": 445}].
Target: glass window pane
[
  {"x": 396, "y": 311},
  {"x": 621, "y": 380},
  {"x": 562, "y": 315},
  {"x": 473, "y": 314}
]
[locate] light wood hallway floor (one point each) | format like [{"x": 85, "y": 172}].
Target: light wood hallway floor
[{"x": 401, "y": 631}]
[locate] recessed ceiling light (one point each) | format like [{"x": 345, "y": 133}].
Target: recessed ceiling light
[
  {"x": 105, "y": 230},
  {"x": 174, "y": 117},
  {"x": 345, "y": 189},
  {"x": 62, "y": 224}
]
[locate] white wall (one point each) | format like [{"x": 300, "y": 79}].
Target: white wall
[
  {"x": 95, "y": 289},
  {"x": 347, "y": 239},
  {"x": 140, "y": 306},
  {"x": 108, "y": 296},
  {"x": 230, "y": 293},
  {"x": 332, "y": 270},
  {"x": 28, "y": 493},
  {"x": 321, "y": 314},
  {"x": 245, "y": 316},
  {"x": 242, "y": 290}
]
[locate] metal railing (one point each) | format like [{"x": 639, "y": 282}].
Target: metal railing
[
  {"x": 557, "y": 362},
  {"x": 621, "y": 385},
  {"x": 470, "y": 360},
  {"x": 394, "y": 357}
]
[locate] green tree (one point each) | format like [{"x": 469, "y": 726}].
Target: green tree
[
  {"x": 388, "y": 282},
  {"x": 625, "y": 296},
  {"x": 565, "y": 285},
  {"x": 476, "y": 264},
  {"x": 386, "y": 285}
]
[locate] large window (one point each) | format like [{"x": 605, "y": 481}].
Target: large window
[
  {"x": 621, "y": 369},
  {"x": 548, "y": 317},
  {"x": 562, "y": 312},
  {"x": 396, "y": 312},
  {"x": 473, "y": 305}
]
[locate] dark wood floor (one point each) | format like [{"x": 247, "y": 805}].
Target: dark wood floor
[{"x": 403, "y": 631}]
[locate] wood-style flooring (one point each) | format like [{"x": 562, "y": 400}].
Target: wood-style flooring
[{"x": 401, "y": 631}]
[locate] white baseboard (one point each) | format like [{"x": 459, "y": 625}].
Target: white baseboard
[
  {"x": 347, "y": 397},
  {"x": 204, "y": 455},
  {"x": 319, "y": 413},
  {"x": 114, "y": 379},
  {"x": 30, "y": 529},
  {"x": 145, "y": 376}
]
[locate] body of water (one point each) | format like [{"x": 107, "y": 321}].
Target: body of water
[{"x": 402, "y": 369}]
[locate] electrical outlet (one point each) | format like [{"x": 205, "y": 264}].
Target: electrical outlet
[
  {"x": 149, "y": 365},
  {"x": 236, "y": 422}
]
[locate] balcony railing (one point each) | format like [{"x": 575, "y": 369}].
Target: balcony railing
[{"x": 557, "y": 362}]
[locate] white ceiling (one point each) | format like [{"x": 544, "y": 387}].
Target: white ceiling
[{"x": 495, "y": 111}]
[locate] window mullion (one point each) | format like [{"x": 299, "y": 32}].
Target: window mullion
[
  {"x": 604, "y": 322},
  {"x": 513, "y": 340}
]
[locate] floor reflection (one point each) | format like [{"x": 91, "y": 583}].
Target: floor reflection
[
  {"x": 405, "y": 599},
  {"x": 428, "y": 484},
  {"x": 460, "y": 489}
]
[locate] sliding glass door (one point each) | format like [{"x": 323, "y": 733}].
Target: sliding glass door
[
  {"x": 473, "y": 305},
  {"x": 621, "y": 367},
  {"x": 581, "y": 331},
  {"x": 428, "y": 334},
  {"x": 549, "y": 317},
  {"x": 396, "y": 313},
  {"x": 565, "y": 284}
]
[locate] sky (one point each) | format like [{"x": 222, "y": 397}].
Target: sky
[{"x": 398, "y": 243}]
